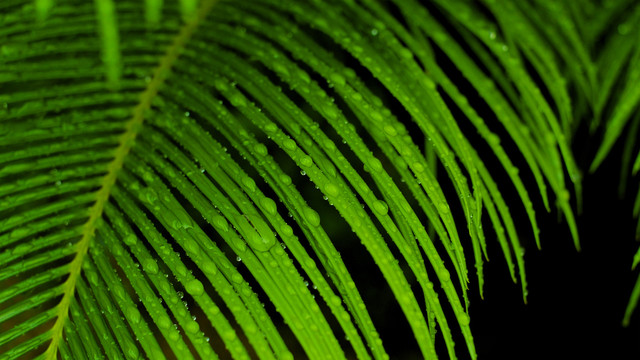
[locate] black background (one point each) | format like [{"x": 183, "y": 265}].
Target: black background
[{"x": 576, "y": 300}]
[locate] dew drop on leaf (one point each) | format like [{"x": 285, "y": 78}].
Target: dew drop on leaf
[
  {"x": 236, "y": 278},
  {"x": 133, "y": 314},
  {"x": 335, "y": 300},
  {"x": 261, "y": 238},
  {"x": 331, "y": 112},
  {"x": 306, "y": 161},
  {"x": 164, "y": 322},
  {"x": 130, "y": 239},
  {"x": 174, "y": 335},
  {"x": 331, "y": 189},
  {"x": 194, "y": 287},
  {"x": 269, "y": 205},
  {"x": 443, "y": 275},
  {"x": 380, "y": 207},
  {"x": 286, "y": 230},
  {"x": 304, "y": 76},
  {"x": 209, "y": 267},
  {"x": 260, "y": 149},
  {"x": 337, "y": 79},
  {"x": 93, "y": 277},
  {"x": 239, "y": 244},
  {"x": 312, "y": 216},
  {"x": 375, "y": 165},
  {"x": 181, "y": 270},
  {"x": 289, "y": 144},
  {"x": 132, "y": 351},
  {"x": 464, "y": 319},
  {"x": 150, "y": 196},
  {"x": 444, "y": 208},
  {"x": 229, "y": 335},
  {"x": 192, "y": 327},
  {"x": 238, "y": 100},
  {"x": 249, "y": 183},
  {"x": 21, "y": 248},
  {"x": 406, "y": 53},
  {"x": 390, "y": 130},
  {"x": 220, "y": 223},
  {"x": 286, "y": 179}
]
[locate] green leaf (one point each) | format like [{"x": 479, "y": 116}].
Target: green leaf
[{"x": 162, "y": 165}]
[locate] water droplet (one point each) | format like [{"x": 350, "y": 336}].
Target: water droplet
[
  {"x": 331, "y": 112},
  {"x": 304, "y": 76},
  {"x": 390, "y": 130},
  {"x": 150, "y": 195},
  {"x": 380, "y": 207},
  {"x": 19, "y": 233},
  {"x": 312, "y": 216},
  {"x": 150, "y": 266},
  {"x": 279, "y": 68},
  {"x": 464, "y": 319},
  {"x": 260, "y": 149},
  {"x": 238, "y": 100},
  {"x": 375, "y": 165},
  {"x": 271, "y": 128},
  {"x": 192, "y": 327},
  {"x": 249, "y": 183},
  {"x": 132, "y": 351},
  {"x": 286, "y": 179},
  {"x": 624, "y": 29},
  {"x": 181, "y": 270},
  {"x": 229, "y": 335},
  {"x": 493, "y": 139},
  {"x": 194, "y": 287},
  {"x": 406, "y": 53},
  {"x": 444, "y": 208},
  {"x": 306, "y": 161},
  {"x": 209, "y": 267},
  {"x": 337, "y": 79},
  {"x": 289, "y": 144},
  {"x": 133, "y": 314},
  {"x": 174, "y": 335},
  {"x": 374, "y": 32},
  {"x": 443, "y": 275},
  {"x": 331, "y": 190},
  {"x": 286, "y": 230},
  {"x": 130, "y": 239},
  {"x": 269, "y": 205},
  {"x": 164, "y": 322},
  {"x": 220, "y": 223}
]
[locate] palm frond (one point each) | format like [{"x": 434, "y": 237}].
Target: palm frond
[{"x": 163, "y": 166}]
